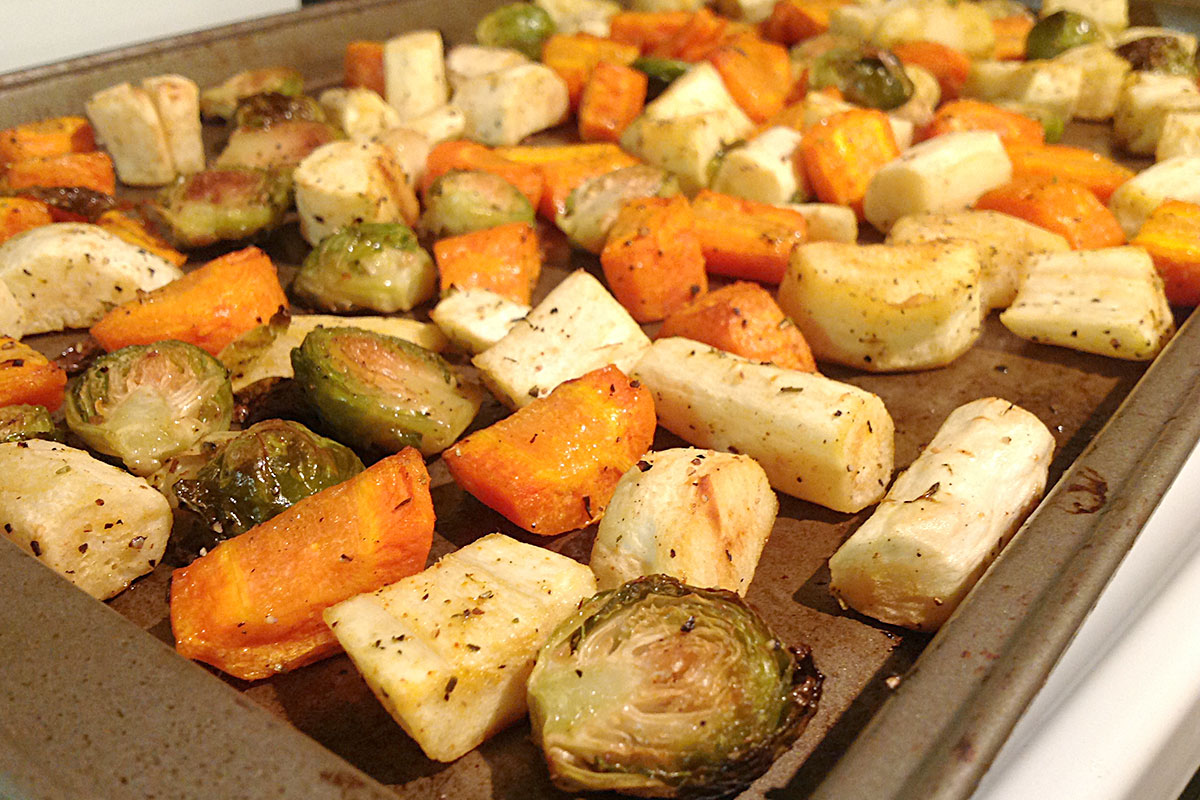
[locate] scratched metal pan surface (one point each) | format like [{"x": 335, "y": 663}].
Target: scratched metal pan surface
[{"x": 95, "y": 704}]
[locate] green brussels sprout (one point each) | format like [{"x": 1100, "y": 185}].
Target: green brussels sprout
[
  {"x": 266, "y": 109},
  {"x": 462, "y": 201},
  {"x": 520, "y": 26},
  {"x": 665, "y": 690},
  {"x": 380, "y": 394},
  {"x": 221, "y": 205},
  {"x": 222, "y": 101},
  {"x": 1059, "y": 32},
  {"x": 592, "y": 207},
  {"x": 18, "y": 423},
  {"x": 874, "y": 79},
  {"x": 372, "y": 265},
  {"x": 262, "y": 471},
  {"x": 1167, "y": 54},
  {"x": 661, "y": 72},
  {"x": 147, "y": 402}
]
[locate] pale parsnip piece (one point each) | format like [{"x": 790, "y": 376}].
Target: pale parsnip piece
[
  {"x": 1146, "y": 100},
  {"x": 992, "y": 80},
  {"x": 1053, "y": 85},
  {"x": 885, "y": 308},
  {"x": 448, "y": 651},
  {"x": 467, "y": 61},
  {"x": 127, "y": 123},
  {"x": 502, "y": 108},
  {"x": 1111, "y": 15},
  {"x": 946, "y": 517},
  {"x": 1004, "y": 244},
  {"x": 1109, "y": 302},
  {"x": 579, "y": 327},
  {"x": 410, "y": 149},
  {"x": 685, "y": 146},
  {"x": 828, "y": 222},
  {"x": 963, "y": 26},
  {"x": 475, "y": 319},
  {"x": 1180, "y": 135},
  {"x": 94, "y": 524},
  {"x": 177, "y": 101},
  {"x": 360, "y": 112},
  {"x": 817, "y": 439},
  {"x": 1174, "y": 179},
  {"x": 12, "y": 316},
  {"x": 697, "y": 515},
  {"x": 70, "y": 274},
  {"x": 344, "y": 182},
  {"x": 581, "y": 16},
  {"x": 1104, "y": 74},
  {"x": 946, "y": 173},
  {"x": 441, "y": 124},
  {"x": 763, "y": 169},
  {"x": 414, "y": 73}
]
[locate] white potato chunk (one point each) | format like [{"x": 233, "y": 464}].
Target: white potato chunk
[
  {"x": 127, "y": 123},
  {"x": 1104, "y": 74},
  {"x": 1180, "y": 135},
  {"x": 476, "y": 319},
  {"x": 448, "y": 651},
  {"x": 94, "y": 524},
  {"x": 1108, "y": 301},
  {"x": 1174, "y": 179},
  {"x": 763, "y": 169},
  {"x": 1004, "y": 244},
  {"x": 360, "y": 112},
  {"x": 946, "y": 517},
  {"x": 697, "y": 515},
  {"x": 502, "y": 108},
  {"x": 345, "y": 182},
  {"x": 414, "y": 73},
  {"x": 882, "y": 307},
  {"x": 70, "y": 274},
  {"x": 817, "y": 439},
  {"x": 579, "y": 327},
  {"x": 1146, "y": 100},
  {"x": 697, "y": 91},
  {"x": 177, "y": 101}
]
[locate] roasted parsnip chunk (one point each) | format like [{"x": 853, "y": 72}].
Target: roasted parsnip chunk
[
  {"x": 345, "y": 182},
  {"x": 128, "y": 124},
  {"x": 1174, "y": 179},
  {"x": 475, "y": 319},
  {"x": 414, "y": 73}
]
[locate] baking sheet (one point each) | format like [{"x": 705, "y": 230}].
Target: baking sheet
[{"x": 83, "y": 687}]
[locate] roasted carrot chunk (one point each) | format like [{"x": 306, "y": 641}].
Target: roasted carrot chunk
[
  {"x": 564, "y": 167},
  {"x": 652, "y": 259},
  {"x": 504, "y": 259},
  {"x": 758, "y": 75},
  {"x": 702, "y": 32},
  {"x": 574, "y": 57},
  {"x": 842, "y": 152},
  {"x": 951, "y": 67},
  {"x": 1171, "y": 235},
  {"x": 363, "y": 66},
  {"x": 1058, "y": 205},
  {"x": 88, "y": 170},
  {"x": 647, "y": 30},
  {"x": 613, "y": 97},
  {"x": 461, "y": 154},
  {"x": 134, "y": 232},
  {"x": 1011, "y": 33},
  {"x": 19, "y": 214},
  {"x": 745, "y": 239},
  {"x": 208, "y": 307},
  {"x": 742, "y": 318},
  {"x": 46, "y": 139},
  {"x": 975, "y": 115},
  {"x": 29, "y": 378},
  {"x": 252, "y": 607},
  {"x": 794, "y": 21},
  {"x": 1099, "y": 174},
  {"x": 553, "y": 465}
]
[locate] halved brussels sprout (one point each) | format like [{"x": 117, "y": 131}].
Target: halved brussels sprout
[
  {"x": 664, "y": 690},
  {"x": 18, "y": 423},
  {"x": 221, "y": 205},
  {"x": 262, "y": 471},
  {"x": 380, "y": 394},
  {"x": 221, "y": 101},
  {"x": 1059, "y": 32},
  {"x": 147, "y": 402},
  {"x": 1167, "y": 54},
  {"x": 593, "y": 205},
  {"x": 874, "y": 78},
  {"x": 462, "y": 201},
  {"x": 520, "y": 26},
  {"x": 661, "y": 73},
  {"x": 266, "y": 109},
  {"x": 373, "y": 265}
]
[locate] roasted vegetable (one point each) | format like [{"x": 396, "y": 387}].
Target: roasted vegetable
[
  {"x": 144, "y": 403},
  {"x": 463, "y": 201},
  {"x": 280, "y": 145},
  {"x": 222, "y": 101},
  {"x": 1166, "y": 54},
  {"x": 27, "y": 377},
  {"x": 380, "y": 394},
  {"x": 661, "y": 72},
  {"x": 874, "y": 79},
  {"x": 260, "y": 472},
  {"x": 221, "y": 204},
  {"x": 18, "y": 423},
  {"x": 520, "y": 26},
  {"x": 266, "y": 109},
  {"x": 592, "y": 208},
  {"x": 1059, "y": 32},
  {"x": 373, "y": 265},
  {"x": 664, "y": 690}
]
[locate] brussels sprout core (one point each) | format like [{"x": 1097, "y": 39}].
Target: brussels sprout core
[{"x": 664, "y": 690}]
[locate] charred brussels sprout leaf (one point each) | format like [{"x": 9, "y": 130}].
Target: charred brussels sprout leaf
[
  {"x": 264, "y": 110},
  {"x": 380, "y": 394},
  {"x": 1058, "y": 33},
  {"x": 222, "y": 204},
  {"x": 146, "y": 403},
  {"x": 262, "y": 471},
  {"x": 661, "y": 689},
  {"x": 520, "y": 26},
  {"x": 462, "y": 201},
  {"x": 1166, "y": 54},
  {"x": 377, "y": 266},
  {"x": 874, "y": 79},
  {"x": 222, "y": 101},
  {"x": 18, "y": 423}
]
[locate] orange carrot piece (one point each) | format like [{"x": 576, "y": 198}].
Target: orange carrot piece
[
  {"x": 696, "y": 39},
  {"x": 252, "y": 607},
  {"x": 133, "y": 231},
  {"x": 745, "y": 239},
  {"x": 574, "y": 57},
  {"x": 1011, "y": 33},
  {"x": 840, "y": 154},
  {"x": 363, "y": 66},
  {"x": 612, "y": 98},
  {"x": 46, "y": 139},
  {"x": 652, "y": 259},
  {"x": 647, "y": 30},
  {"x": 19, "y": 214},
  {"x": 505, "y": 259},
  {"x": 1059, "y": 205},
  {"x": 1099, "y": 174},
  {"x": 976, "y": 115},
  {"x": 564, "y": 167},
  {"x": 29, "y": 378},
  {"x": 1171, "y": 235},
  {"x": 208, "y": 307},
  {"x": 758, "y": 74},
  {"x": 462, "y": 154},
  {"x": 744, "y": 319},
  {"x": 951, "y": 67},
  {"x": 793, "y": 21},
  {"x": 553, "y": 465},
  {"x": 88, "y": 170}
]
